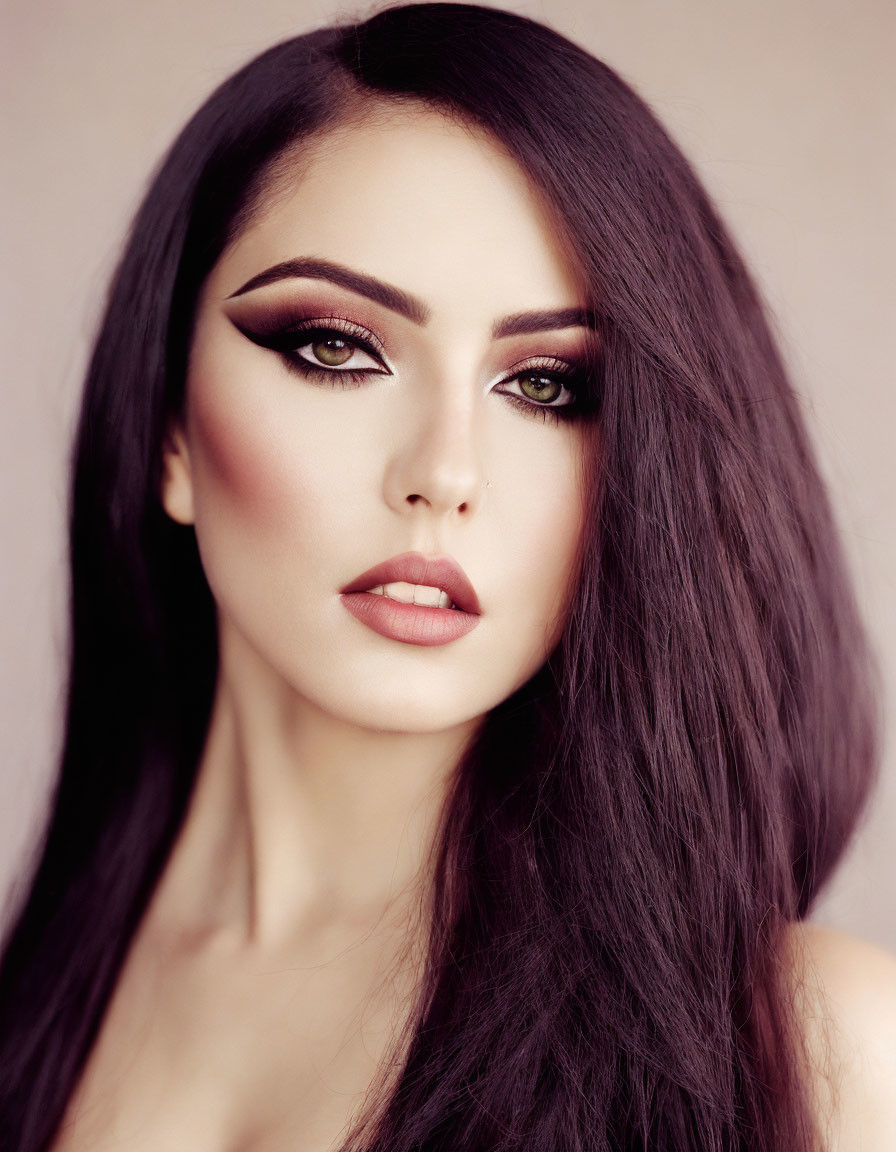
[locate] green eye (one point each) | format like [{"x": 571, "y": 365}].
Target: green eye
[
  {"x": 332, "y": 352},
  {"x": 541, "y": 388}
]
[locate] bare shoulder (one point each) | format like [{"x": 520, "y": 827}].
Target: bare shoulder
[{"x": 846, "y": 1000}]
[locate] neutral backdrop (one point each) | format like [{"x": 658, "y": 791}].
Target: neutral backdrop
[{"x": 786, "y": 108}]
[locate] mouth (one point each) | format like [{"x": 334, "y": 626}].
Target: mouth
[
  {"x": 415, "y": 599},
  {"x": 412, "y": 578}
]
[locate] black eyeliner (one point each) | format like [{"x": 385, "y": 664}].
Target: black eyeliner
[{"x": 277, "y": 329}]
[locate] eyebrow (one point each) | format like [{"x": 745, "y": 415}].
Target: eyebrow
[{"x": 521, "y": 323}]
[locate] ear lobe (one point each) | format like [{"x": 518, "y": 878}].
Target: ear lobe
[{"x": 177, "y": 482}]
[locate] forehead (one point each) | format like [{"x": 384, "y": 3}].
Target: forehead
[{"x": 430, "y": 205}]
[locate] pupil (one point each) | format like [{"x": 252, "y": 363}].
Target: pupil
[
  {"x": 540, "y": 387},
  {"x": 331, "y": 352}
]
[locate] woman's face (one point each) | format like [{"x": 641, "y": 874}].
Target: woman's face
[{"x": 402, "y": 382}]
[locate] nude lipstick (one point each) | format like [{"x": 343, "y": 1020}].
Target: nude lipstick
[{"x": 446, "y": 609}]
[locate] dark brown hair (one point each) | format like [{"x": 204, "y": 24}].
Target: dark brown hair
[{"x": 633, "y": 830}]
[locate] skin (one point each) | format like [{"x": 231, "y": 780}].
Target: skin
[
  {"x": 845, "y": 996},
  {"x": 283, "y": 943},
  {"x": 279, "y": 956},
  {"x": 330, "y": 745}
]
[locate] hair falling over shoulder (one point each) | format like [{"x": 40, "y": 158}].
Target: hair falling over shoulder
[{"x": 634, "y": 829}]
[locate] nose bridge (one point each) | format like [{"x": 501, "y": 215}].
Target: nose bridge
[{"x": 438, "y": 457}]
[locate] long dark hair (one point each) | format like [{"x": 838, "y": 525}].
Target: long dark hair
[{"x": 627, "y": 840}]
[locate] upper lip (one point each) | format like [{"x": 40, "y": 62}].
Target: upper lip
[{"x": 431, "y": 571}]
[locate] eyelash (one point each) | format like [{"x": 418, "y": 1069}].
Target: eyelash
[{"x": 283, "y": 341}]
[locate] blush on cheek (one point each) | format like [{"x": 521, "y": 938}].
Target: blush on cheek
[{"x": 245, "y": 460}]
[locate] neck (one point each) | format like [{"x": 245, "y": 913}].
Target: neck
[{"x": 299, "y": 818}]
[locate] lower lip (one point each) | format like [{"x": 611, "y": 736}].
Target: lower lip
[{"x": 409, "y": 623}]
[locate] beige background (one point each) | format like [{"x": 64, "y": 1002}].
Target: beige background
[{"x": 786, "y": 107}]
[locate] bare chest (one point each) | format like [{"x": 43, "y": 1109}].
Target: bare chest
[{"x": 218, "y": 1054}]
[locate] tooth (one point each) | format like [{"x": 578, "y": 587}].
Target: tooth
[
  {"x": 423, "y": 594},
  {"x": 428, "y": 597},
  {"x": 378, "y": 591},
  {"x": 400, "y": 591}
]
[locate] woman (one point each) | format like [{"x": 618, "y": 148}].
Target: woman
[{"x": 453, "y": 747}]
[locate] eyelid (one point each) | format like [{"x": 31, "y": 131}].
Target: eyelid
[
  {"x": 275, "y": 325},
  {"x": 359, "y": 344},
  {"x": 567, "y": 372},
  {"x": 350, "y": 328},
  {"x": 547, "y": 363}
]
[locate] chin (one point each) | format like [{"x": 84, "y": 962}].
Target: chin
[{"x": 411, "y": 712}]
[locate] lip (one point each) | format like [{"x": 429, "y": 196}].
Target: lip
[{"x": 415, "y": 568}]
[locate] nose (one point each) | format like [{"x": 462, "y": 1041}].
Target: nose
[{"x": 437, "y": 460}]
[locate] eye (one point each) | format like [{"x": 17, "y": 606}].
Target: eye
[
  {"x": 544, "y": 389},
  {"x": 550, "y": 389},
  {"x": 328, "y": 349}
]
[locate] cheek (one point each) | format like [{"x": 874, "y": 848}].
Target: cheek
[
  {"x": 552, "y": 567},
  {"x": 258, "y": 451},
  {"x": 544, "y": 522},
  {"x": 267, "y": 489},
  {"x": 241, "y": 459}
]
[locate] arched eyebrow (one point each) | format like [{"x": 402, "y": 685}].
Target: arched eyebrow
[
  {"x": 396, "y": 300},
  {"x": 548, "y": 321},
  {"x": 392, "y": 298}
]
